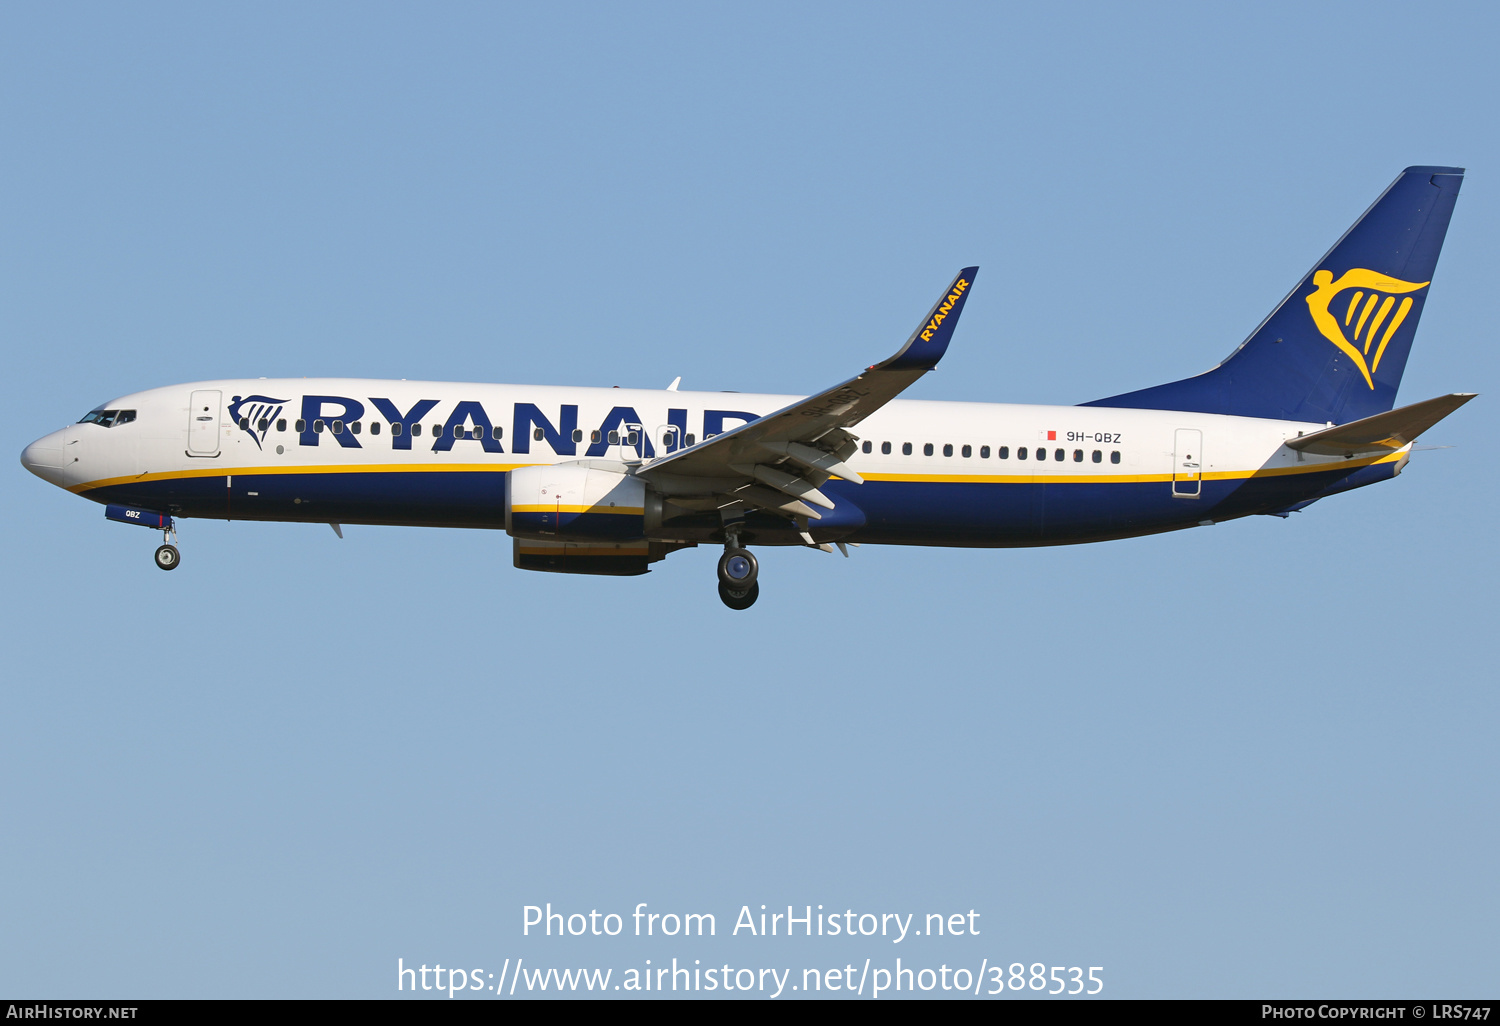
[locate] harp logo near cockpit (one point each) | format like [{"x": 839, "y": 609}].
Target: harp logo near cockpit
[
  {"x": 253, "y": 414},
  {"x": 1370, "y": 313}
]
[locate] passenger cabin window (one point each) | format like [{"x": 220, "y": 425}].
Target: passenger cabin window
[
  {"x": 577, "y": 434},
  {"x": 967, "y": 451},
  {"x": 354, "y": 427},
  {"x": 318, "y": 426},
  {"x": 1059, "y": 455},
  {"x": 1004, "y": 452},
  {"x": 301, "y": 426},
  {"x": 594, "y": 436},
  {"x": 244, "y": 423},
  {"x": 262, "y": 425},
  {"x": 537, "y": 434},
  {"x": 396, "y": 429},
  {"x": 437, "y": 431},
  {"x": 1077, "y": 455},
  {"x": 281, "y": 425},
  {"x": 497, "y": 432},
  {"x": 1098, "y": 456},
  {"x": 885, "y": 448},
  {"x": 1041, "y": 453},
  {"x": 691, "y": 440},
  {"x": 906, "y": 448},
  {"x": 614, "y": 438},
  {"x": 868, "y": 447},
  {"x": 927, "y": 449},
  {"x": 416, "y": 430},
  {"x": 338, "y": 427},
  {"x": 947, "y": 449},
  {"x": 1021, "y": 453},
  {"x": 374, "y": 427},
  {"x": 984, "y": 452},
  {"x": 1114, "y": 457}
]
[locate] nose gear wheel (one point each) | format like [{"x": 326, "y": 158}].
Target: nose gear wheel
[{"x": 167, "y": 557}]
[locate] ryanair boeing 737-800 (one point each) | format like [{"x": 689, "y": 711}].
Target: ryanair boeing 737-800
[{"x": 609, "y": 481}]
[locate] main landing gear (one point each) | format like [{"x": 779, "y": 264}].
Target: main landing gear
[{"x": 737, "y": 573}]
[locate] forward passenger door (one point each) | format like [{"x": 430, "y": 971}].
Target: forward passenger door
[{"x": 203, "y": 423}]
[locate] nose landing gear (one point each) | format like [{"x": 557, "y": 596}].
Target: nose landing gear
[
  {"x": 738, "y": 571},
  {"x": 167, "y": 557}
]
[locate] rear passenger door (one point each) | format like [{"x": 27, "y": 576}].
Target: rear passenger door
[{"x": 1187, "y": 464}]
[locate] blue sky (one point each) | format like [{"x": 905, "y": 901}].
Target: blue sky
[{"x": 1247, "y": 760}]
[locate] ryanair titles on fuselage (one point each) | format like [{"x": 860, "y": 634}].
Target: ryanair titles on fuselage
[{"x": 332, "y": 418}]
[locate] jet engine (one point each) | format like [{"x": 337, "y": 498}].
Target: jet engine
[{"x": 589, "y": 500}]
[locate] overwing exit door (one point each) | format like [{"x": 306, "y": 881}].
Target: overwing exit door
[
  {"x": 668, "y": 439},
  {"x": 632, "y": 442},
  {"x": 1187, "y": 464}
]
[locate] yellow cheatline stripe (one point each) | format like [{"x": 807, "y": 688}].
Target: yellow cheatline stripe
[
  {"x": 1040, "y": 478},
  {"x": 632, "y": 510},
  {"x": 1046, "y": 478},
  {"x": 1396, "y": 323},
  {"x": 351, "y": 468}
]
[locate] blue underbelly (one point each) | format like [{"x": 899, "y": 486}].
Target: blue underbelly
[{"x": 894, "y": 512}]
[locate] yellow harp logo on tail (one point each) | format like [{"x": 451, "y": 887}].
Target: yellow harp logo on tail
[{"x": 1369, "y": 310}]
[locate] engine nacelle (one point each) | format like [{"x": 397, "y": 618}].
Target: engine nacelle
[
  {"x": 583, "y": 501},
  {"x": 607, "y": 559}
]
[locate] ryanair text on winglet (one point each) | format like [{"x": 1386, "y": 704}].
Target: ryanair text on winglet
[{"x": 943, "y": 310}]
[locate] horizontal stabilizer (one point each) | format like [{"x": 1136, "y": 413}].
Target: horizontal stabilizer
[{"x": 1384, "y": 432}]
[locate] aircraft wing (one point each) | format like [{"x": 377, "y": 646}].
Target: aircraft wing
[
  {"x": 778, "y": 462},
  {"x": 1384, "y": 432}
]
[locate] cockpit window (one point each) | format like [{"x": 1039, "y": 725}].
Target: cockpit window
[{"x": 108, "y": 418}]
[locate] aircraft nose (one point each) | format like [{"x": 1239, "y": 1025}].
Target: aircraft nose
[{"x": 44, "y": 458}]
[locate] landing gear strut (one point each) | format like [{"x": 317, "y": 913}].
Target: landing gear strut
[{"x": 737, "y": 575}]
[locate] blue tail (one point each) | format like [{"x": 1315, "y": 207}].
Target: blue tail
[{"x": 1334, "y": 349}]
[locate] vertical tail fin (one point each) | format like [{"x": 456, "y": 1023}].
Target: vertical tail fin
[{"x": 1335, "y": 347}]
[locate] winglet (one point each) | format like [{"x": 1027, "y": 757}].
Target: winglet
[{"x": 930, "y": 341}]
